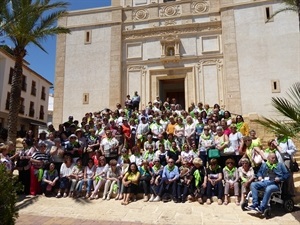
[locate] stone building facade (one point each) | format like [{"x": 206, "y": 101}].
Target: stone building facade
[{"x": 208, "y": 51}]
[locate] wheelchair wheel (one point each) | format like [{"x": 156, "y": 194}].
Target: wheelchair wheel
[
  {"x": 288, "y": 205},
  {"x": 244, "y": 205},
  {"x": 267, "y": 213}
]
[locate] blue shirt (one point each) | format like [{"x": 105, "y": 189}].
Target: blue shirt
[
  {"x": 170, "y": 174},
  {"x": 280, "y": 171}
]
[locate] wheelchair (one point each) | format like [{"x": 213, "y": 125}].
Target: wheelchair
[{"x": 278, "y": 197}]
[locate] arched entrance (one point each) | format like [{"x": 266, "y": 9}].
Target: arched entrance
[{"x": 172, "y": 88}]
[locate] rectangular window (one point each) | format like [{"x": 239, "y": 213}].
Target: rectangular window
[
  {"x": 275, "y": 86},
  {"x": 43, "y": 94},
  {"x": 7, "y": 101},
  {"x": 88, "y": 37},
  {"x": 11, "y": 73},
  {"x": 41, "y": 117},
  {"x": 268, "y": 14},
  {"x": 85, "y": 99},
  {"x": 33, "y": 88},
  {"x": 31, "y": 109}
]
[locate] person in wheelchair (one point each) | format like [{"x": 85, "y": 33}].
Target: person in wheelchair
[{"x": 270, "y": 175}]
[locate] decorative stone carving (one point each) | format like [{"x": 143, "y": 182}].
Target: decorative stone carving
[
  {"x": 143, "y": 69},
  {"x": 217, "y": 62},
  {"x": 170, "y": 22},
  {"x": 130, "y": 35},
  {"x": 140, "y": 14},
  {"x": 200, "y": 7},
  {"x": 169, "y": 11}
]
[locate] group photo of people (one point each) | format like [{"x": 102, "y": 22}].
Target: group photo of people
[{"x": 158, "y": 153}]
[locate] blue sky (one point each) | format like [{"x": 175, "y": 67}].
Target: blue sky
[{"x": 44, "y": 63}]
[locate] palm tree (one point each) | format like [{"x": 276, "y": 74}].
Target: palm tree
[
  {"x": 290, "y": 5},
  {"x": 27, "y": 22},
  {"x": 290, "y": 109}
]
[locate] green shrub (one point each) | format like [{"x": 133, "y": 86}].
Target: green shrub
[{"x": 8, "y": 197}]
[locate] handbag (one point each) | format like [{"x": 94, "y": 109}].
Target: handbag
[
  {"x": 213, "y": 153},
  {"x": 228, "y": 151},
  {"x": 295, "y": 166},
  {"x": 257, "y": 159}
]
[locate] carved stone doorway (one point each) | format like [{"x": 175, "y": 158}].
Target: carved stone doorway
[{"x": 172, "y": 88}]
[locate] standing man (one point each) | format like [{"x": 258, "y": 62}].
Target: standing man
[{"x": 136, "y": 99}]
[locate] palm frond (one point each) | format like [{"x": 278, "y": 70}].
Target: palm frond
[
  {"x": 288, "y": 8},
  {"x": 294, "y": 94}
]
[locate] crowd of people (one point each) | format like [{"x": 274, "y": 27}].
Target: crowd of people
[{"x": 162, "y": 151}]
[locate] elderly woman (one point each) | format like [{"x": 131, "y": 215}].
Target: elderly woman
[
  {"x": 88, "y": 175},
  {"x": 100, "y": 177},
  {"x": 179, "y": 133},
  {"x": 231, "y": 179},
  {"x": 130, "y": 182},
  {"x": 246, "y": 175},
  {"x": 197, "y": 181},
  {"x": 39, "y": 161},
  {"x": 5, "y": 159},
  {"x": 76, "y": 179},
  {"x": 113, "y": 177},
  {"x": 214, "y": 181},
  {"x": 146, "y": 175},
  {"x": 64, "y": 174},
  {"x": 221, "y": 142},
  {"x": 236, "y": 143},
  {"x": 206, "y": 142}
]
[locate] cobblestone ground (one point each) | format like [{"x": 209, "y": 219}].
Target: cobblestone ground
[{"x": 52, "y": 211}]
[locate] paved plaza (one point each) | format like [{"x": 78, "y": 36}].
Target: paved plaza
[{"x": 41, "y": 210}]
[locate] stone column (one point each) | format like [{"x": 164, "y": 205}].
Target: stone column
[{"x": 59, "y": 75}]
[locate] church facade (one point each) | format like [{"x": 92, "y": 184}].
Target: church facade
[{"x": 208, "y": 51}]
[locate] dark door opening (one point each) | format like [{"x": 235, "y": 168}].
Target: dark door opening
[{"x": 172, "y": 88}]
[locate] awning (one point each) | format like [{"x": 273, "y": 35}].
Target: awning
[{"x": 34, "y": 122}]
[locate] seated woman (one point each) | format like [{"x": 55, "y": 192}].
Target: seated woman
[
  {"x": 76, "y": 178},
  {"x": 100, "y": 177},
  {"x": 89, "y": 173},
  {"x": 197, "y": 181},
  {"x": 246, "y": 175},
  {"x": 64, "y": 174},
  {"x": 214, "y": 181},
  {"x": 130, "y": 182},
  {"x": 183, "y": 183},
  {"x": 149, "y": 154},
  {"x": 157, "y": 169},
  {"x": 50, "y": 179},
  {"x": 186, "y": 154},
  {"x": 231, "y": 179},
  {"x": 146, "y": 174},
  {"x": 113, "y": 177}
]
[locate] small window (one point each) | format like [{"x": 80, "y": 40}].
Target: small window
[
  {"x": 33, "y": 88},
  {"x": 275, "y": 86},
  {"x": 42, "y": 113},
  {"x": 88, "y": 37},
  {"x": 85, "y": 98},
  {"x": 268, "y": 14},
  {"x": 24, "y": 84},
  {"x": 31, "y": 109},
  {"x": 22, "y": 107}
]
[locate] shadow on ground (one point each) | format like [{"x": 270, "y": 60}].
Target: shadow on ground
[{"x": 25, "y": 200}]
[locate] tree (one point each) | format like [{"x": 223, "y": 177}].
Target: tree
[
  {"x": 290, "y": 5},
  {"x": 27, "y": 22},
  {"x": 289, "y": 109}
]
